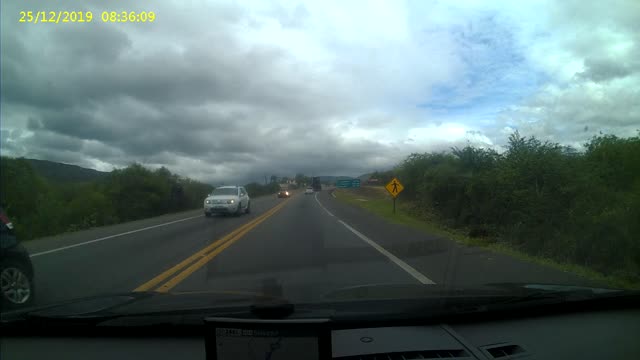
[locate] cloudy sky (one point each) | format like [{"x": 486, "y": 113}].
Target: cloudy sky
[{"x": 231, "y": 91}]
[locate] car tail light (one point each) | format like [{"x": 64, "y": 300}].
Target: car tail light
[{"x": 5, "y": 220}]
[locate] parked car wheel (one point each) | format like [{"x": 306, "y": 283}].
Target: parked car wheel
[{"x": 16, "y": 286}]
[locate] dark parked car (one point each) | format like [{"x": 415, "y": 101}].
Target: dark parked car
[{"x": 16, "y": 270}]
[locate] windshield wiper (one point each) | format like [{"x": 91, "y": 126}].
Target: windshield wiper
[
  {"x": 275, "y": 310},
  {"x": 559, "y": 296}
]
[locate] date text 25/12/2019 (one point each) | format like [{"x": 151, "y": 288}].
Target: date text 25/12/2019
[{"x": 58, "y": 17}]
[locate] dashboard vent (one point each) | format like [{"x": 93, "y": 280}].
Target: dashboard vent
[
  {"x": 409, "y": 355},
  {"x": 505, "y": 351}
]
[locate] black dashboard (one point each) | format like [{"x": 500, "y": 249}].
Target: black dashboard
[{"x": 606, "y": 334}]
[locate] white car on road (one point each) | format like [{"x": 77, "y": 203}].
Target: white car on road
[
  {"x": 308, "y": 190},
  {"x": 227, "y": 200}
]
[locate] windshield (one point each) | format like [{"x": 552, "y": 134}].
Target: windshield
[
  {"x": 225, "y": 191},
  {"x": 378, "y": 146}
]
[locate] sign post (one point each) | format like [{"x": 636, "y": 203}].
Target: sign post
[{"x": 394, "y": 187}]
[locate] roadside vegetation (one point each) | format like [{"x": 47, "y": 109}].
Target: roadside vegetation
[
  {"x": 544, "y": 201},
  {"x": 44, "y": 198},
  {"x": 40, "y": 207},
  {"x": 256, "y": 189}
]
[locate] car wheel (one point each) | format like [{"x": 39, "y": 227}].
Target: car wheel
[
  {"x": 248, "y": 209},
  {"x": 16, "y": 286}
]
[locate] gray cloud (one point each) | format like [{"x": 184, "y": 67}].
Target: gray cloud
[
  {"x": 99, "y": 43},
  {"x": 210, "y": 92},
  {"x": 211, "y": 99},
  {"x": 599, "y": 70},
  {"x": 594, "y": 74}
]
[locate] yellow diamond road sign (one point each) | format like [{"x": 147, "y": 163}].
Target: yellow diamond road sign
[{"x": 394, "y": 187}]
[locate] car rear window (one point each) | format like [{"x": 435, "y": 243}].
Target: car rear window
[{"x": 225, "y": 191}]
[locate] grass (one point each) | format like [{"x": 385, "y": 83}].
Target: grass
[{"x": 380, "y": 203}]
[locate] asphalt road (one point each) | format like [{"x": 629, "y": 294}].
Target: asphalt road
[{"x": 300, "y": 248}]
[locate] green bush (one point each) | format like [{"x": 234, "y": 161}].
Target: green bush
[
  {"x": 539, "y": 197},
  {"x": 40, "y": 208},
  {"x": 255, "y": 189}
]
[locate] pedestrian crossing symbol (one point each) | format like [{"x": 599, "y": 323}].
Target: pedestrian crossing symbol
[{"x": 394, "y": 187}]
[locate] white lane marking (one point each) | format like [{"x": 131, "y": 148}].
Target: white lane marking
[
  {"x": 111, "y": 236},
  {"x": 406, "y": 267},
  {"x": 323, "y": 208},
  {"x": 333, "y": 194}
]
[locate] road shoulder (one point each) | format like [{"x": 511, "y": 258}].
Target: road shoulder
[{"x": 438, "y": 253}]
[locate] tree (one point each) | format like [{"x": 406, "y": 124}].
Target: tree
[
  {"x": 39, "y": 208},
  {"x": 540, "y": 197},
  {"x": 255, "y": 189},
  {"x": 30, "y": 202},
  {"x": 302, "y": 179}
]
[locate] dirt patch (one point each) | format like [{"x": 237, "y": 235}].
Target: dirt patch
[{"x": 368, "y": 192}]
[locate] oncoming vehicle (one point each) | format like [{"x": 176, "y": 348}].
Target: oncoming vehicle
[
  {"x": 308, "y": 190},
  {"x": 283, "y": 194},
  {"x": 16, "y": 270},
  {"x": 227, "y": 200}
]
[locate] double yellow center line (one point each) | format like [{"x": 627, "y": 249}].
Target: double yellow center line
[{"x": 194, "y": 262}]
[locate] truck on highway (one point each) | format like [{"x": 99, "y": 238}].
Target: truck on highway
[{"x": 315, "y": 184}]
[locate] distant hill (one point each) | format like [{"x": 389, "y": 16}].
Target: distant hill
[
  {"x": 332, "y": 179},
  {"x": 60, "y": 172},
  {"x": 377, "y": 178}
]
